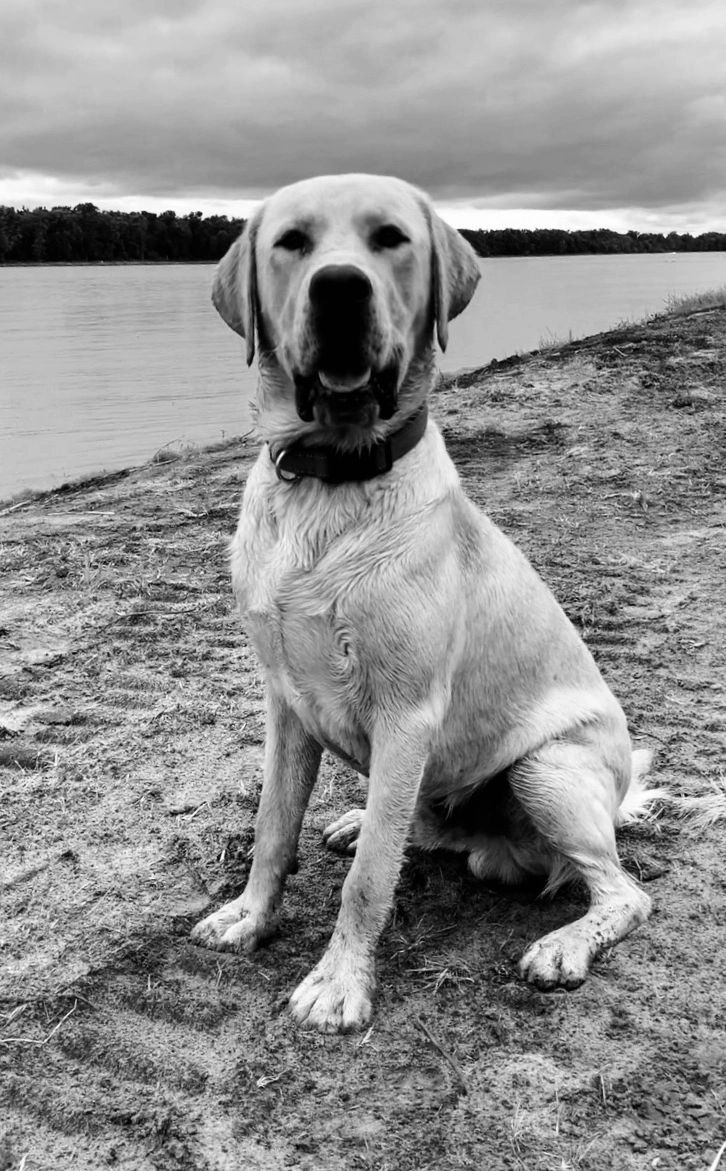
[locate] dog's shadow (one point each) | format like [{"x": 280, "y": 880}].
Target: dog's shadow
[{"x": 439, "y": 901}]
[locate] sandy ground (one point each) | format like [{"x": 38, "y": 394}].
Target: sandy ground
[{"x": 131, "y": 737}]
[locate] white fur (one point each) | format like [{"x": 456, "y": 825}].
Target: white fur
[
  {"x": 639, "y": 799},
  {"x": 397, "y": 626}
]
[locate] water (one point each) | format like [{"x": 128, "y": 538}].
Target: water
[
  {"x": 100, "y": 367},
  {"x": 525, "y": 301}
]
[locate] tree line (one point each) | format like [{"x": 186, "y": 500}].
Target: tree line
[
  {"x": 556, "y": 242},
  {"x": 83, "y": 234}
]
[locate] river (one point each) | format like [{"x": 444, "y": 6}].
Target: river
[{"x": 102, "y": 366}]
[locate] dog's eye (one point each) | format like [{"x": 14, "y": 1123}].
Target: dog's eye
[
  {"x": 389, "y": 236},
  {"x": 293, "y": 241}
]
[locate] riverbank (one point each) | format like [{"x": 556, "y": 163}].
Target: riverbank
[{"x": 131, "y": 714}]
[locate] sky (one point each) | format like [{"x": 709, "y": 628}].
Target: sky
[{"x": 518, "y": 113}]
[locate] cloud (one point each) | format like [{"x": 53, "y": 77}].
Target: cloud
[{"x": 572, "y": 104}]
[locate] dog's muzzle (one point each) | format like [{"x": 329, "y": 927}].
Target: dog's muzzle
[{"x": 344, "y": 381}]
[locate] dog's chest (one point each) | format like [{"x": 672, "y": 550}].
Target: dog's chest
[{"x": 297, "y": 625}]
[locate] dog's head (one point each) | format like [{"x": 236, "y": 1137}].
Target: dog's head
[{"x": 344, "y": 279}]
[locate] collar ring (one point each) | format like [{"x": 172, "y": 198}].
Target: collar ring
[{"x": 284, "y": 477}]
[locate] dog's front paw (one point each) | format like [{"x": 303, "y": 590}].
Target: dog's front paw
[
  {"x": 559, "y": 960},
  {"x": 342, "y": 835},
  {"x": 334, "y": 998},
  {"x": 232, "y": 928}
]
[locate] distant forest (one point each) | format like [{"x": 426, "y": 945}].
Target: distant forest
[
  {"x": 86, "y": 235},
  {"x": 83, "y": 234}
]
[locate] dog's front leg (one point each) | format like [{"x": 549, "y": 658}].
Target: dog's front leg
[
  {"x": 336, "y": 995},
  {"x": 292, "y": 758}
]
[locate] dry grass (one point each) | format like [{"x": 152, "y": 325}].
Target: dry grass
[
  {"x": 555, "y": 341},
  {"x": 693, "y": 302}
]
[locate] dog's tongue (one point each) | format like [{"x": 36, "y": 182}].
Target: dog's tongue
[{"x": 337, "y": 382}]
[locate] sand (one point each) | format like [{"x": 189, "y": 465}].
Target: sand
[{"x": 131, "y": 737}]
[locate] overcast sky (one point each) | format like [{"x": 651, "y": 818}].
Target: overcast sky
[{"x": 524, "y": 112}]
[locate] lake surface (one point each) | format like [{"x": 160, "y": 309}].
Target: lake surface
[{"x": 100, "y": 367}]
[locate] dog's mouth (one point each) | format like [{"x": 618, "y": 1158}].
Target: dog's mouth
[{"x": 343, "y": 399}]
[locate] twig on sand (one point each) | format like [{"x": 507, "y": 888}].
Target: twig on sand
[
  {"x": 717, "y": 1160},
  {"x": 445, "y": 1053},
  {"x": 44, "y": 1040},
  {"x": 643, "y": 732},
  {"x": 25, "y": 874},
  {"x": 145, "y": 613},
  {"x": 15, "y": 507}
]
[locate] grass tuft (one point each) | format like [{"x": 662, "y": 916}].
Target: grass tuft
[
  {"x": 554, "y": 341},
  {"x": 691, "y": 302}
]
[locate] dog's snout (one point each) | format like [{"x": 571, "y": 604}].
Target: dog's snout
[
  {"x": 342, "y": 319},
  {"x": 338, "y": 286}
]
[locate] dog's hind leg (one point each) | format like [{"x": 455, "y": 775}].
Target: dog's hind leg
[
  {"x": 292, "y": 758},
  {"x": 570, "y": 793}
]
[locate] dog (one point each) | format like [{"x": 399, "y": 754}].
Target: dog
[{"x": 396, "y": 626}]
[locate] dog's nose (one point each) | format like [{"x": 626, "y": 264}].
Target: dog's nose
[{"x": 340, "y": 286}]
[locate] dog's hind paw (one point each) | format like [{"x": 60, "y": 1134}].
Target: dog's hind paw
[
  {"x": 332, "y": 1000},
  {"x": 231, "y": 928},
  {"x": 342, "y": 835}
]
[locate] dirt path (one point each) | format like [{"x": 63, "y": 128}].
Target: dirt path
[{"x": 131, "y": 737}]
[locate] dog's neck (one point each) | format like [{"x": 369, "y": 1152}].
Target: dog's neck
[
  {"x": 332, "y": 466},
  {"x": 279, "y": 425}
]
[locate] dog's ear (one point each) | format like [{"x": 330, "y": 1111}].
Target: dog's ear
[
  {"x": 234, "y": 292},
  {"x": 455, "y": 273}
]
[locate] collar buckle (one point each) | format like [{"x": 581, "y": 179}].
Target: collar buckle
[{"x": 381, "y": 456}]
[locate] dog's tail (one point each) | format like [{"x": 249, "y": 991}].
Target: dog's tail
[{"x": 637, "y": 802}]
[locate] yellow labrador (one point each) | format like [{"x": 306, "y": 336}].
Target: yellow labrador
[{"x": 395, "y": 624}]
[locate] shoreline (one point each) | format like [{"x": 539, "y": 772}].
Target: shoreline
[
  {"x": 698, "y": 303},
  {"x": 103, "y": 476}
]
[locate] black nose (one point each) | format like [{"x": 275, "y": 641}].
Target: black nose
[{"x": 340, "y": 286}]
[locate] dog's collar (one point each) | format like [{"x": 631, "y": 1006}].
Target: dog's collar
[{"x": 339, "y": 467}]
